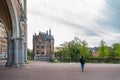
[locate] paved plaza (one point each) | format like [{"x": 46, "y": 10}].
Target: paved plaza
[{"x": 37, "y": 70}]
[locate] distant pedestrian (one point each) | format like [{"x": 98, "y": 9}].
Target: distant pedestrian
[{"x": 82, "y": 61}]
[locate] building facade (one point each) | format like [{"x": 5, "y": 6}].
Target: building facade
[
  {"x": 43, "y": 46},
  {"x": 3, "y": 42},
  {"x": 13, "y": 15},
  {"x": 94, "y": 51}
]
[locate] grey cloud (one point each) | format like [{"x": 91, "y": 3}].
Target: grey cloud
[
  {"x": 112, "y": 14},
  {"x": 69, "y": 23},
  {"x": 75, "y": 25}
]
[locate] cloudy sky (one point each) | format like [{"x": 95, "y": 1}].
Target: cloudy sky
[{"x": 90, "y": 20}]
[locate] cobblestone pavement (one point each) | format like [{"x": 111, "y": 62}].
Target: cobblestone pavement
[{"x": 37, "y": 70}]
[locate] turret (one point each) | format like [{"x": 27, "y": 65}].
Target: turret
[{"x": 49, "y": 32}]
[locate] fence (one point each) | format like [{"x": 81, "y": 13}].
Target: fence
[{"x": 41, "y": 58}]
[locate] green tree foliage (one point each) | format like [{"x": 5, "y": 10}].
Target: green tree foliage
[
  {"x": 30, "y": 54},
  {"x": 63, "y": 52},
  {"x": 116, "y": 49},
  {"x": 101, "y": 50},
  {"x": 108, "y": 51},
  {"x": 84, "y": 51},
  {"x": 73, "y": 49},
  {"x": 104, "y": 50}
]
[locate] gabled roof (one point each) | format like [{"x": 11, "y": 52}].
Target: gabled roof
[
  {"x": 44, "y": 36},
  {"x": 47, "y": 37}
]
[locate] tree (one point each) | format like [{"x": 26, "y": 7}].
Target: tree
[
  {"x": 104, "y": 50},
  {"x": 30, "y": 54},
  {"x": 116, "y": 49},
  {"x": 84, "y": 51},
  {"x": 73, "y": 47},
  {"x": 63, "y": 52},
  {"x": 101, "y": 50},
  {"x": 108, "y": 51}
]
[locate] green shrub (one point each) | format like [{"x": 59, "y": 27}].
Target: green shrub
[{"x": 103, "y": 60}]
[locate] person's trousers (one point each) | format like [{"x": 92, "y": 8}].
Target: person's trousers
[{"x": 82, "y": 66}]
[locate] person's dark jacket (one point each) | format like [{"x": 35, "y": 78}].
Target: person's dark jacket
[{"x": 82, "y": 61}]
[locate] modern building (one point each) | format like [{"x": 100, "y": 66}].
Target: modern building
[{"x": 43, "y": 46}]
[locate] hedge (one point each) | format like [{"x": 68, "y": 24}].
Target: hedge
[
  {"x": 93, "y": 60},
  {"x": 103, "y": 60}
]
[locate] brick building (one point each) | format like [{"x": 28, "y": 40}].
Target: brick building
[
  {"x": 94, "y": 51},
  {"x": 13, "y": 15},
  {"x": 3, "y": 41},
  {"x": 43, "y": 46}
]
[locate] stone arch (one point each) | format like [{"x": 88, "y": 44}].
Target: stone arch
[
  {"x": 10, "y": 19},
  {"x": 14, "y": 18}
]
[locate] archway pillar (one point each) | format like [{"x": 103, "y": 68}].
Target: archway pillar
[
  {"x": 21, "y": 50},
  {"x": 10, "y": 53},
  {"x": 25, "y": 53},
  {"x": 16, "y": 52}
]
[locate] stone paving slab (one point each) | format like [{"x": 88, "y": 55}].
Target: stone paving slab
[{"x": 36, "y": 70}]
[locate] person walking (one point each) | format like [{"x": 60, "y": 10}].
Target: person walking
[{"x": 82, "y": 61}]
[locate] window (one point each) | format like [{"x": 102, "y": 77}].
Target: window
[
  {"x": 37, "y": 46},
  {"x": 42, "y": 53},
  {"x": 42, "y": 46},
  {"x": 48, "y": 40},
  {"x": 37, "y": 52}
]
